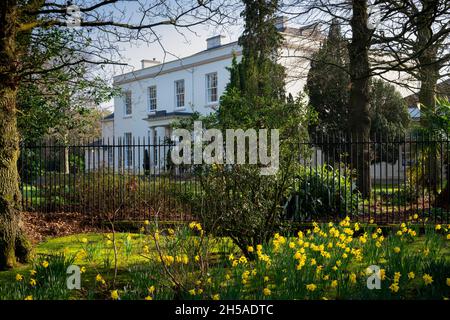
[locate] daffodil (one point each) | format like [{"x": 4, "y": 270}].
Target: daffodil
[
  {"x": 334, "y": 283},
  {"x": 45, "y": 264},
  {"x": 99, "y": 278},
  {"x": 19, "y": 277},
  {"x": 243, "y": 260},
  {"x": 32, "y": 282},
  {"x": 28, "y": 298},
  {"x": 397, "y": 249},
  {"x": 427, "y": 279},
  {"x": 267, "y": 292},
  {"x": 114, "y": 295},
  {"x": 311, "y": 287},
  {"x": 394, "y": 287},
  {"x": 148, "y": 298},
  {"x": 192, "y": 292},
  {"x": 215, "y": 296},
  {"x": 411, "y": 275}
]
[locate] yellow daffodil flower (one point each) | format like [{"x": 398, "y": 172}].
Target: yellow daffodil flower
[{"x": 115, "y": 295}]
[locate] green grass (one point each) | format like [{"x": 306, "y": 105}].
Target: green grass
[
  {"x": 71, "y": 245},
  {"x": 136, "y": 273}
]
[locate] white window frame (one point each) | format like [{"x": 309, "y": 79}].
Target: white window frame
[
  {"x": 209, "y": 89},
  {"x": 180, "y": 95},
  {"x": 152, "y": 101},
  {"x": 128, "y": 102}
]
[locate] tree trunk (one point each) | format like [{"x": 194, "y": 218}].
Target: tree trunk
[
  {"x": 443, "y": 199},
  {"x": 428, "y": 76},
  {"x": 66, "y": 160},
  {"x": 13, "y": 244},
  {"x": 359, "y": 69}
]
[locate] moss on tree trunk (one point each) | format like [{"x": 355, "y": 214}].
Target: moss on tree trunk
[{"x": 13, "y": 244}]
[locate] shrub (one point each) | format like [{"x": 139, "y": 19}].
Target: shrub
[
  {"x": 321, "y": 192},
  {"x": 239, "y": 203}
]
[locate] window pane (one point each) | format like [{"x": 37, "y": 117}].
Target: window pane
[
  {"x": 179, "y": 93},
  {"x": 128, "y": 108},
  {"x": 152, "y": 101},
  {"x": 211, "y": 86}
]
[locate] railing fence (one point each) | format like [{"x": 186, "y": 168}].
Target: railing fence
[{"x": 135, "y": 178}]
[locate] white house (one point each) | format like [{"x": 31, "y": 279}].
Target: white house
[{"x": 160, "y": 93}]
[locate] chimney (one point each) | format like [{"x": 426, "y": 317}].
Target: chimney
[
  {"x": 281, "y": 23},
  {"x": 149, "y": 63},
  {"x": 214, "y": 42}
]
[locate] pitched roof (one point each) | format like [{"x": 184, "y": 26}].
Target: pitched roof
[{"x": 442, "y": 89}]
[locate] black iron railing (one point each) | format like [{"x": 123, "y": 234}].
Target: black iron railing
[{"x": 386, "y": 179}]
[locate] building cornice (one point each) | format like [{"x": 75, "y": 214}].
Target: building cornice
[{"x": 159, "y": 69}]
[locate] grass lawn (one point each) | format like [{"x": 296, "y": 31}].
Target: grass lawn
[{"x": 319, "y": 263}]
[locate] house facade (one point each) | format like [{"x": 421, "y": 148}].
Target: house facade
[{"x": 158, "y": 94}]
